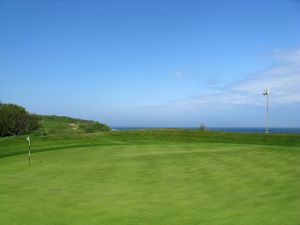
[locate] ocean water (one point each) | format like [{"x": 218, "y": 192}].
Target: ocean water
[{"x": 228, "y": 129}]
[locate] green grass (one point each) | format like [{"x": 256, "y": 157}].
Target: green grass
[
  {"x": 17, "y": 145},
  {"x": 151, "y": 177},
  {"x": 57, "y": 125}
]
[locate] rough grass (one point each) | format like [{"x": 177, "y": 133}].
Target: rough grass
[
  {"x": 58, "y": 125},
  {"x": 155, "y": 177},
  {"x": 17, "y": 145}
]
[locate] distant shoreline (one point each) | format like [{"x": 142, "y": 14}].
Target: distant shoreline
[{"x": 227, "y": 129}]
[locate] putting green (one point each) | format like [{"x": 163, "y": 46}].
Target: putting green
[{"x": 153, "y": 184}]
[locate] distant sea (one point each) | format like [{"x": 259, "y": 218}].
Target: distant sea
[{"x": 227, "y": 129}]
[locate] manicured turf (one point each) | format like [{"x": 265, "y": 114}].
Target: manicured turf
[
  {"x": 16, "y": 145},
  {"x": 167, "y": 177}
]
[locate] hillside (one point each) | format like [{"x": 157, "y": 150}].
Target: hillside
[{"x": 66, "y": 125}]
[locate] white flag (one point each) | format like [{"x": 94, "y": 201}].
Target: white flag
[
  {"x": 266, "y": 92},
  {"x": 28, "y": 139}
]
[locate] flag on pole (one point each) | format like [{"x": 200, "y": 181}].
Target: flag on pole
[
  {"x": 266, "y": 92},
  {"x": 28, "y": 139},
  {"x": 29, "y": 155}
]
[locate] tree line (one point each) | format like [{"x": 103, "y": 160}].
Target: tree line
[{"x": 15, "y": 120}]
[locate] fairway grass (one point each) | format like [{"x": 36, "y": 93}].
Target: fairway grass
[{"x": 153, "y": 184}]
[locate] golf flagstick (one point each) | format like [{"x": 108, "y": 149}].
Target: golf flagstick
[
  {"x": 29, "y": 155},
  {"x": 267, "y": 93}
]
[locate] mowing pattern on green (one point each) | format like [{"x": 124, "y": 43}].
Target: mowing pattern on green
[{"x": 167, "y": 184}]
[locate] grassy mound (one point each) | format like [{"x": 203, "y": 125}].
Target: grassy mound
[{"x": 66, "y": 125}]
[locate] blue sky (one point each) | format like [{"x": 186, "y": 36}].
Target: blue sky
[{"x": 153, "y": 63}]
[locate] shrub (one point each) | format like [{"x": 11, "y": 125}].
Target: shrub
[
  {"x": 202, "y": 126},
  {"x": 15, "y": 120},
  {"x": 93, "y": 127}
]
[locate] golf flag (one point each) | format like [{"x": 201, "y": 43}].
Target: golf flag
[
  {"x": 266, "y": 92},
  {"x": 29, "y": 155},
  {"x": 28, "y": 139}
]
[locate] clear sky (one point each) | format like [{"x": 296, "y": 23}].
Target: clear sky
[{"x": 154, "y": 62}]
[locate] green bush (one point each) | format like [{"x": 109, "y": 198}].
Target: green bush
[
  {"x": 93, "y": 127},
  {"x": 15, "y": 120}
]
